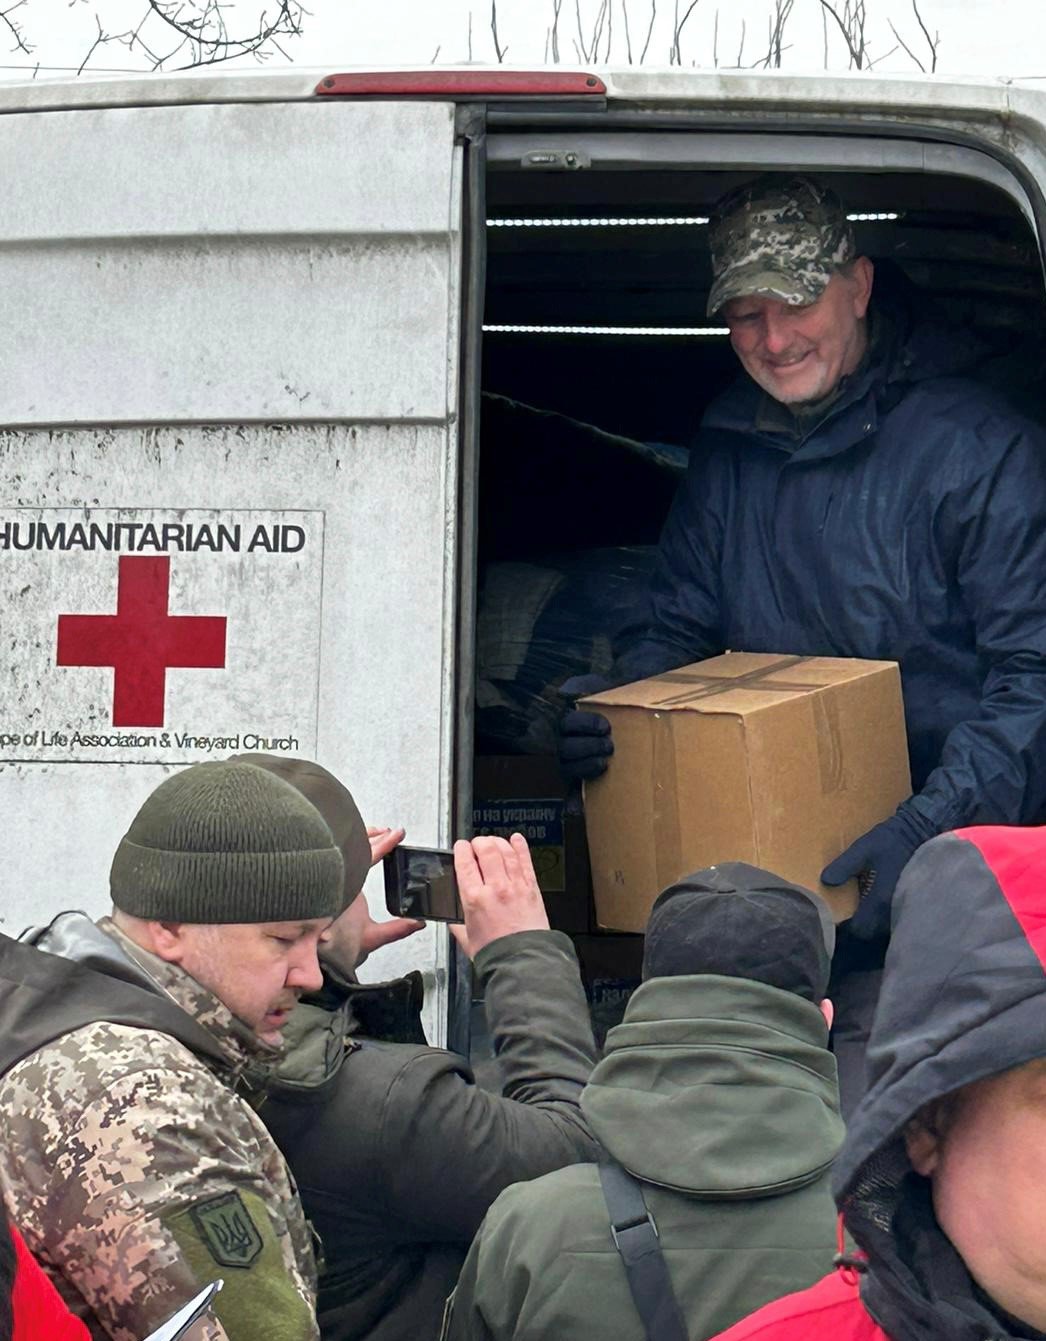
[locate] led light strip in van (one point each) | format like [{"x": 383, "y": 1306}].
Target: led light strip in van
[
  {"x": 607, "y": 330},
  {"x": 694, "y": 221},
  {"x": 597, "y": 223}
]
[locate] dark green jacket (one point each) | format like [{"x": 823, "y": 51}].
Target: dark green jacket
[
  {"x": 720, "y": 1095},
  {"x": 398, "y": 1154}
]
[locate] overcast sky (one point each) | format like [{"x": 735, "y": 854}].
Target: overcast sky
[{"x": 976, "y": 36}]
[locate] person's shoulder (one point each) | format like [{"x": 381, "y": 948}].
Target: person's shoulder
[
  {"x": 562, "y": 1210},
  {"x": 970, "y": 436},
  {"x": 382, "y": 1089},
  {"x": 971, "y": 404},
  {"x": 390, "y": 1079},
  {"x": 314, "y": 1048},
  {"x": 377, "y": 1057},
  {"x": 571, "y": 1180},
  {"x": 831, "y": 1310},
  {"x": 94, "y": 1056},
  {"x": 110, "y": 1067}
]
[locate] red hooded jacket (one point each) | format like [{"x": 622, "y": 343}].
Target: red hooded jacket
[
  {"x": 964, "y": 997},
  {"x": 39, "y": 1313},
  {"x": 831, "y": 1310}
]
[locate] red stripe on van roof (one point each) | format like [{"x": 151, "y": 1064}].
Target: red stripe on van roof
[{"x": 461, "y": 83}]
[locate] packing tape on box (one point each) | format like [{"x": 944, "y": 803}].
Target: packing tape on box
[
  {"x": 826, "y": 710},
  {"x": 668, "y": 823},
  {"x": 710, "y": 685}
]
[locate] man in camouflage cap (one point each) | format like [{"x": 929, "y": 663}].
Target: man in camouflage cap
[
  {"x": 857, "y": 495},
  {"x": 132, "y": 1158},
  {"x": 790, "y": 286}
]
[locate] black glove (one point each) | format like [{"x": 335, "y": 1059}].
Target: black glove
[
  {"x": 584, "y": 737},
  {"x": 877, "y": 860}
]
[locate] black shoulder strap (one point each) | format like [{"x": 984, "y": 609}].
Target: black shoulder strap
[{"x": 635, "y": 1237}]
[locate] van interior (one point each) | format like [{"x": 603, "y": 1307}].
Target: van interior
[{"x": 598, "y": 360}]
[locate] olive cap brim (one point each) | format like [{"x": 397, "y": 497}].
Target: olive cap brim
[{"x": 755, "y": 279}]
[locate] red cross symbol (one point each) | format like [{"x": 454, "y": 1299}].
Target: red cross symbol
[{"x": 141, "y": 641}]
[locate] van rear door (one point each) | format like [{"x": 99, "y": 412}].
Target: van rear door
[{"x": 228, "y": 466}]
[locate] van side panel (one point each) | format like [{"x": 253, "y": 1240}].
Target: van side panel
[{"x": 229, "y": 399}]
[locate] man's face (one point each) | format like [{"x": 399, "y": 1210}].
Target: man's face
[
  {"x": 799, "y": 354},
  {"x": 257, "y": 970},
  {"x": 987, "y": 1163}
]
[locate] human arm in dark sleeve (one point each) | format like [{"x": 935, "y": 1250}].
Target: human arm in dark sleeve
[
  {"x": 993, "y": 766},
  {"x": 677, "y": 621},
  {"x": 449, "y": 1147}
]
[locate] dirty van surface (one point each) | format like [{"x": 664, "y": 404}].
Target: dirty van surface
[{"x": 382, "y": 383}]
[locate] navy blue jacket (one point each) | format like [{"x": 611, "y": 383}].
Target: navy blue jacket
[{"x": 909, "y": 525}]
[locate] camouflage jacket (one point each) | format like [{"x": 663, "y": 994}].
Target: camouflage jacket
[{"x": 134, "y": 1169}]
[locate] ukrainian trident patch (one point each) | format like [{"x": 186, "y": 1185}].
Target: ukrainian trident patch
[{"x": 224, "y": 1224}]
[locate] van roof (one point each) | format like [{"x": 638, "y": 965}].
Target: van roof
[{"x": 647, "y": 84}]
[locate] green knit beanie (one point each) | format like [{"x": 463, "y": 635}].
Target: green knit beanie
[
  {"x": 227, "y": 842},
  {"x": 334, "y": 802}
]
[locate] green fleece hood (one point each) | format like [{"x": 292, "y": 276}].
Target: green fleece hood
[{"x": 719, "y": 1088}]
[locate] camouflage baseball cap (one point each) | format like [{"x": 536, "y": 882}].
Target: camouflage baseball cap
[{"x": 778, "y": 237}]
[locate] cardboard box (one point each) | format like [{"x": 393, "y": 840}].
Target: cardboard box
[
  {"x": 526, "y": 794},
  {"x": 781, "y": 761}
]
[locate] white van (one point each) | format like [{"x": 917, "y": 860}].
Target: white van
[{"x": 294, "y": 365}]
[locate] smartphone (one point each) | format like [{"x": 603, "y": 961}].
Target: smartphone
[{"x": 420, "y": 882}]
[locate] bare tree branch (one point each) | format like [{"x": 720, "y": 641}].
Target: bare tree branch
[
  {"x": 857, "y": 29},
  {"x": 99, "y": 41},
  {"x": 589, "y": 49},
  {"x": 201, "y": 34},
  {"x": 824, "y": 30},
  {"x": 579, "y": 45},
  {"x": 628, "y": 31},
  {"x": 649, "y": 31},
  {"x": 852, "y": 30},
  {"x": 871, "y": 64},
  {"x": 675, "y": 55},
  {"x": 741, "y": 48},
  {"x": 135, "y": 39},
  {"x": 776, "y": 26},
  {"x": 499, "y": 50},
  {"x": 15, "y": 29},
  {"x": 597, "y": 29},
  {"x": 932, "y": 42},
  {"x": 715, "y": 41},
  {"x": 902, "y": 43}
]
